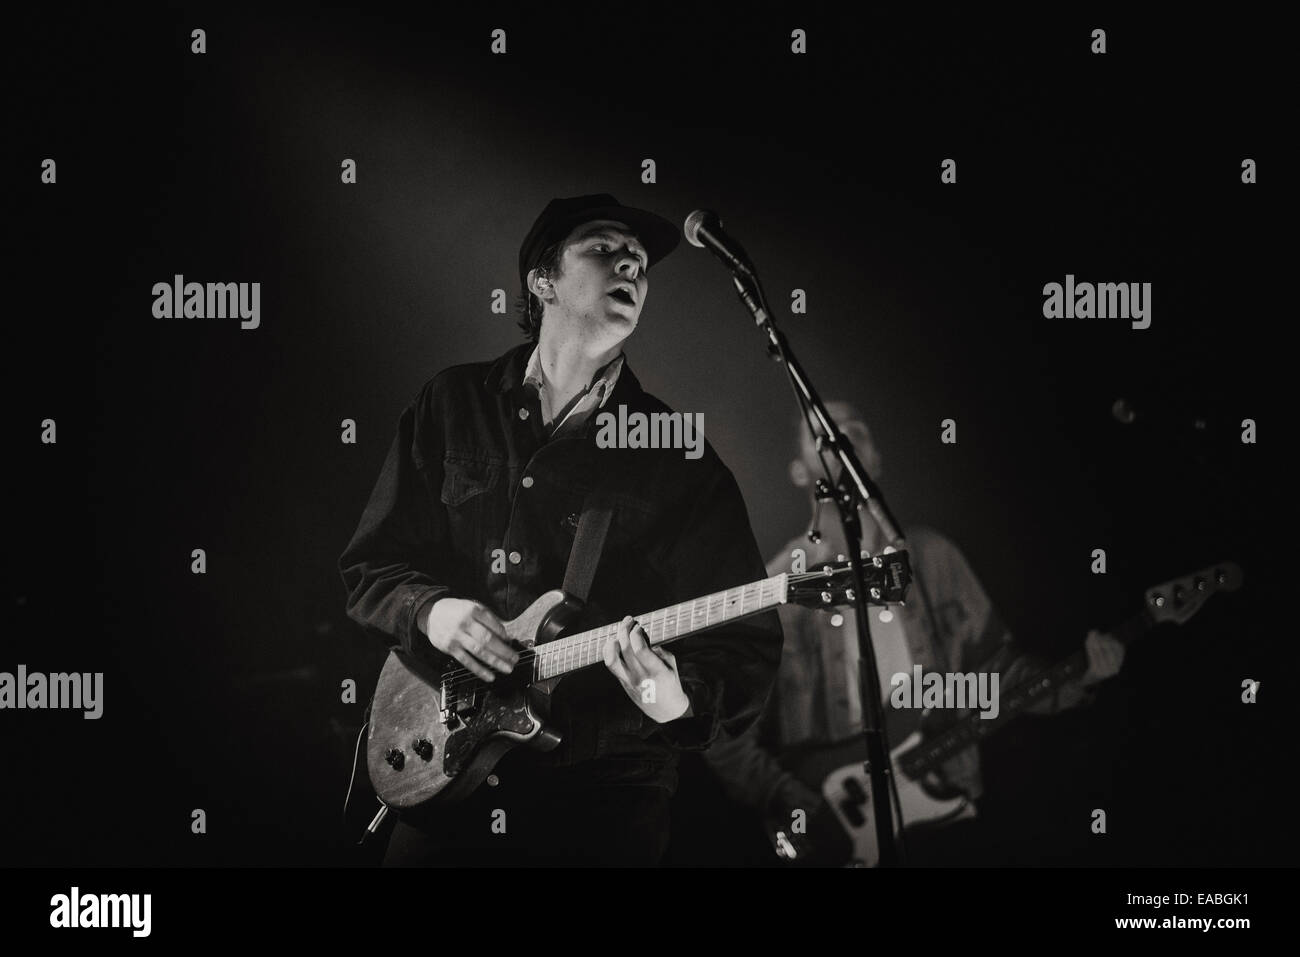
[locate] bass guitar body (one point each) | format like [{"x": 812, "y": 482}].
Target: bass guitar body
[
  {"x": 848, "y": 791},
  {"x": 837, "y": 771}
]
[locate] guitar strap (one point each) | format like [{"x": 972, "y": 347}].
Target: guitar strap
[{"x": 588, "y": 543}]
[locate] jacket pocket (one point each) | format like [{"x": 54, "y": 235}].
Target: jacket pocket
[{"x": 463, "y": 479}]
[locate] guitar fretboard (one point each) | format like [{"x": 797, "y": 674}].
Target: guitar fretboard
[
  {"x": 928, "y": 755},
  {"x": 661, "y": 626}
]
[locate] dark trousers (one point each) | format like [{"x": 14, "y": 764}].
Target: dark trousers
[{"x": 538, "y": 818}]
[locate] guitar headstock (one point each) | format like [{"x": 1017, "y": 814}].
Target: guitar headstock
[
  {"x": 1180, "y": 598},
  {"x": 887, "y": 578}
]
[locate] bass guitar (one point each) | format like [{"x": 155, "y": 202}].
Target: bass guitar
[{"x": 836, "y": 769}]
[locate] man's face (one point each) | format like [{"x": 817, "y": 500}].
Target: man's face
[
  {"x": 602, "y": 285},
  {"x": 807, "y": 466}
]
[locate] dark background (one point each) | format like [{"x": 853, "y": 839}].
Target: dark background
[{"x": 222, "y": 691}]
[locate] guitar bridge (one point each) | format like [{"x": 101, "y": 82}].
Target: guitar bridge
[{"x": 455, "y": 702}]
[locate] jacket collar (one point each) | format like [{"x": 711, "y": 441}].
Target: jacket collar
[{"x": 507, "y": 374}]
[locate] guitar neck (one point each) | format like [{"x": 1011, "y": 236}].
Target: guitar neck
[
  {"x": 662, "y": 626},
  {"x": 972, "y": 729}
]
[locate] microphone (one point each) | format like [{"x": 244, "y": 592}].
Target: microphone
[{"x": 703, "y": 228}]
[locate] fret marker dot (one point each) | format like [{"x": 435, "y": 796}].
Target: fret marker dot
[
  {"x": 886, "y": 615},
  {"x": 837, "y": 620}
]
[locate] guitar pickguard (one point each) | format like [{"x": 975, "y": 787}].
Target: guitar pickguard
[{"x": 495, "y": 713}]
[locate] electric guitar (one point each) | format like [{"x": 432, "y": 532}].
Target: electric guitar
[
  {"x": 438, "y": 736},
  {"x": 836, "y": 770}
]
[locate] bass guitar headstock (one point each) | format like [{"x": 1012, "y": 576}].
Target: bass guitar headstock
[{"x": 1179, "y": 599}]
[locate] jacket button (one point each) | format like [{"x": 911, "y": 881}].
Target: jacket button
[
  {"x": 523, "y": 413},
  {"x": 527, "y": 482},
  {"x": 516, "y": 558}
]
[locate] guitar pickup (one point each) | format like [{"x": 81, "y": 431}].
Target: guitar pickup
[
  {"x": 852, "y": 812},
  {"x": 854, "y": 790},
  {"x": 444, "y": 713},
  {"x": 452, "y": 703}
]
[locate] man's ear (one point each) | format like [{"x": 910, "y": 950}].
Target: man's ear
[
  {"x": 539, "y": 285},
  {"x": 799, "y": 473}
]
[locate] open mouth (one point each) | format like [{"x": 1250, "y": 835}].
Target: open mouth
[{"x": 622, "y": 295}]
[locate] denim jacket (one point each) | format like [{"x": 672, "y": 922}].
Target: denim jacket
[{"x": 471, "y": 486}]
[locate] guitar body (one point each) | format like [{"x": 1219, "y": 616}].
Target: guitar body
[
  {"x": 848, "y": 791},
  {"x": 425, "y": 744},
  {"x": 836, "y": 770}
]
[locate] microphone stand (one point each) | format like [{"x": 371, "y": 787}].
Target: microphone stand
[{"x": 855, "y": 488}]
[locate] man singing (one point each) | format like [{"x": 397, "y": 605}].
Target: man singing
[{"x": 473, "y": 518}]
